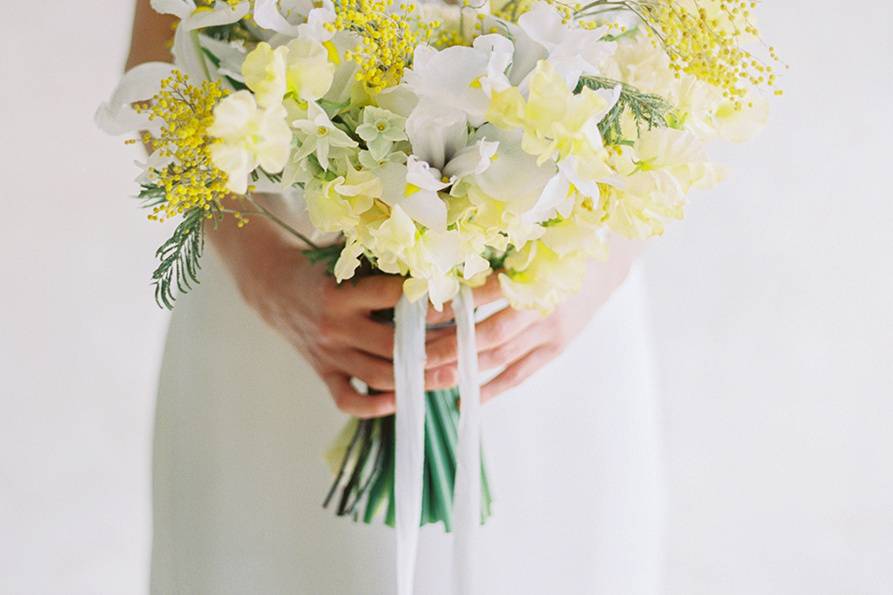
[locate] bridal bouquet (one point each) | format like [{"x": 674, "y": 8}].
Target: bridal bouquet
[{"x": 444, "y": 144}]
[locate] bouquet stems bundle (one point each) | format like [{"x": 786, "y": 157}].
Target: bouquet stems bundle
[{"x": 364, "y": 479}]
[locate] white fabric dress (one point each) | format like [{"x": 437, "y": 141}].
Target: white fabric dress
[{"x": 242, "y": 424}]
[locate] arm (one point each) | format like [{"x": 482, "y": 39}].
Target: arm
[{"x": 152, "y": 33}]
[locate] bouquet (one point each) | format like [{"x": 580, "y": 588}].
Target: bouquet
[{"x": 445, "y": 144}]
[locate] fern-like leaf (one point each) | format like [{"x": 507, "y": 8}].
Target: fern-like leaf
[
  {"x": 179, "y": 258},
  {"x": 648, "y": 110}
]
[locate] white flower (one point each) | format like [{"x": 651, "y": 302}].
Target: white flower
[
  {"x": 436, "y": 133},
  {"x": 571, "y": 50},
  {"x": 315, "y": 27},
  {"x": 249, "y": 136},
  {"x": 413, "y": 187},
  {"x": 117, "y": 116},
  {"x": 320, "y": 135},
  {"x": 187, "y": 53},
  {"x": 449, "y": 79},
  {"x": 348, "y": 261},
  {"x": 381, "y": 129},
  {"x": 513, "y": 177}
]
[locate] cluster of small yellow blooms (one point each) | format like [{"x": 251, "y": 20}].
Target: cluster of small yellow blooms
[
  {"x": 387, "y": 38},
  {"x": 513, "y": 9},
  {"x": 444, "y": 38},
  {"x": 706, "y": 44},
  {"x": 186, "y": 111}
]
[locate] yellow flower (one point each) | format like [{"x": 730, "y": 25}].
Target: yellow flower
[
  {"x": 182, "y": 145},
  {"x": 559, "y": 123},
  {"x": 537, "y": 278},
  {"x": 506, "y": 109},
  {"x": 308, "y": 72},
  {"x": 264, "y": 72},
  {"x": 331, "y": 211}
]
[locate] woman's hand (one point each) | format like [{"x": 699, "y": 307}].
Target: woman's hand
[
  {"x": 521, "y": 342},
  {"x": 331, "y": 325}
]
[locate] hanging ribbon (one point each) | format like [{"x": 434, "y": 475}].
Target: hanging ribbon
[
  {"x": 409, "y": 376},
  {"x": 467, "y": 495}
]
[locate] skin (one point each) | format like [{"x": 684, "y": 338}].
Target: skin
[{"x": 332, "y": 325}]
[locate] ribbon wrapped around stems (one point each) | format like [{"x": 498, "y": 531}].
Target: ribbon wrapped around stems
[{"x": 409, "y": 366}]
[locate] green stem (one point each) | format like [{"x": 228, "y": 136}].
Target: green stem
[{"x": 275, "y": 219}]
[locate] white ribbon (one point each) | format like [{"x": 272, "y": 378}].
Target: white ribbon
[
  {"x": 409, "y": 376},
  {"x": 467, "y": 494}
]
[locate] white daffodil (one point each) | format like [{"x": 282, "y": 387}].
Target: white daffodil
[
  {"x": 319, "y": 135},
  {"x": 381, "y": 129},
  {"x": 248, "y": 136},
  {"x": 414, "y": 188}
]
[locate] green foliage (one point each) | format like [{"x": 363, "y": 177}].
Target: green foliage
[
  {"x": 151, "y": 195},
  {"x": 179, "y": 259},
  {"x": 651, "y": 111},
  {"x": 325, "y": 254}
]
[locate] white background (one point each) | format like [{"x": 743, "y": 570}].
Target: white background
[{"x": 771, "y": 307}]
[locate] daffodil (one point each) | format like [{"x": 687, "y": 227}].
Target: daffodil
[
  {"x": 248, "y": 136},
  {"x": 319, "y": 135},
  {"x": 381, "y": 129}
]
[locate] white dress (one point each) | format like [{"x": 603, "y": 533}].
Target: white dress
[{"x": 242, "y": 424}]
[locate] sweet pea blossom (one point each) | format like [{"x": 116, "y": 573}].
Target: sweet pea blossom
[{"x": 248, "y": 136}]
